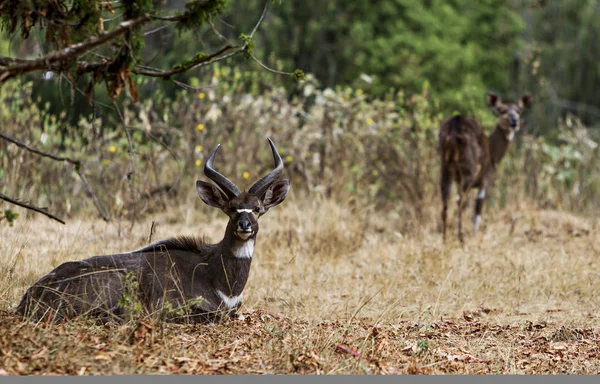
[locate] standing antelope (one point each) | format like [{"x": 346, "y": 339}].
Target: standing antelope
[
  {"x": 470, "y": 158},
  {"x": 183, "y": 272}
]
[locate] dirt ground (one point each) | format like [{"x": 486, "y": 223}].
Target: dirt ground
[{"x": 334, "y": 290}]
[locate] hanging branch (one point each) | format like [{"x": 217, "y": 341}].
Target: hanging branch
[
  {"x": 43, "y": 211},
  {"x": 50, "y": 60},
  {"x": 78, "y": 168},
  {"x": 195, "y": 63},
  {"x": 81, "y": 59}
]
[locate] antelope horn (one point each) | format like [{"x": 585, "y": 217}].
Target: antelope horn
[
  {"x": 261, "y": 186},
  {"x": 230, "y": 189}
]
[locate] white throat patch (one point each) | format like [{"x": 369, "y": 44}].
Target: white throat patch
[
  {"x": 510, "y": 136},
  {"x": 229, "y": 301},
  {"x": 243, "y": 210},
  {"x": 244, "y": 251}
]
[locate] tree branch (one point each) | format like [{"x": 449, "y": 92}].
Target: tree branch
[
  {"x": 48, "y": 61},
  {"x": 270, "y": 69},
  {"x": 198, "y": 62},
  {"x": 43, "y": 211},
  {"x": 260, "y": 20},
  {"x": 204, "y": 60},
  {"x": 76, "y": 162}
]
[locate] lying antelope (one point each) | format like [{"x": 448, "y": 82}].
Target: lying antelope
[
  {"x": 206, "y": 280},
  {"x": 470, "y": 158}
]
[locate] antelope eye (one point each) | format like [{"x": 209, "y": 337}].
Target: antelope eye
[{"x": 257, "y": 209}]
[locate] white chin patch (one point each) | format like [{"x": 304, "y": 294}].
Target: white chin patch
[
  {"x": 244, "y": 235},
  {"x": 510, "y": 136},
  {"x": 229, "y": 302}
]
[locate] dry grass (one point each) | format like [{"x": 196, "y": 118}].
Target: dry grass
[{"x": 335, "y": 289}]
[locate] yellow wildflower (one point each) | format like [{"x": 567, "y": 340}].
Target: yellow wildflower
[
  {"x": 199, "y": 148},
  {"x": 245, "y": 175},
  {"x": 112, "y": 149},
  {"x": 369, "y": 121},
  {"x": 289, "y": 159},
  {"x": 198, "y": 163},
  {"x": 200, "y": 127},
  {"x": 359, "y": 92},
  {"x": 201, "y": 95}
]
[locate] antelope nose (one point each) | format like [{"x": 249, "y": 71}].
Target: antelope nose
[
  {"x": 244, "y": 225},
  {"x": 513, "y": 121}
]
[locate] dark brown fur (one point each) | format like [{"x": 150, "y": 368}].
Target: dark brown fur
[
  {"x": 470, "y": 158},
  {"x": 181, "y": 278}
]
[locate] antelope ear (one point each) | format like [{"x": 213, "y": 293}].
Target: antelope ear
[
  {"x": 525, "y": 101},
  {"x": 211, "y": 195},
  {"x": 492, "y": 99},
  {"x": 275, "y": 194}
]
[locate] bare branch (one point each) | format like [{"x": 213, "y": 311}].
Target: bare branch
[
  {"x": 262, "y": 17},
  {"x": 200, "y": 88},
  {"x": 171, "y": 18},
  {"x": 270, "y": 69},
  {"x": 204, "y": 60},
  {"x": 92, "y": 195},
  {"x": 6, "y": 61},
  {"x": 43, "y": 211},
  {"x": 156, "y": 30},
  {"x": 76, "y": 162},
  {"x": 48, "y": 61},
  {"x": 198, "y": 62},
  {"x": 216, "y": 32}
]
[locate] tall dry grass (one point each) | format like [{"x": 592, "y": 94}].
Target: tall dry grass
[
  {"x": 325, "y": 259},
  {"x": 352, "y": 257}
]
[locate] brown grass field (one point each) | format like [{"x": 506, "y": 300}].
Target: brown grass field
[{"x": 334, "y": 289}]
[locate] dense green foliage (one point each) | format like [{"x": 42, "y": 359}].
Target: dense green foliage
[
  {"x": 459, "y": 48},
  {"x": 393, "y": 70}
]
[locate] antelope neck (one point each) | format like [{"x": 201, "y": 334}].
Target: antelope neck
[
  {"x": 498, "y": 145},
  {"x": 236, "y": 247}
]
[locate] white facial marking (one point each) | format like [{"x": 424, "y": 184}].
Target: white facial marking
[
  {"x": 244, "y": 251},
  {"x": 481, "y": 194},
  {"x": 244, "y": 210},
  {"x": 229, "y": 301},
  {"x": 510, "y": 136},
  {"x": 244, "y": 235},
  {"x": 476, "y": 221}
]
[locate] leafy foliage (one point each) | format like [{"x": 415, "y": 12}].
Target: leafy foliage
[{"x": 336, "y": 142}]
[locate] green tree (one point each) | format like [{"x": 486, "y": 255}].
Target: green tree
[
  {"x": 562, "y": 56},
  {"x": 101, "y": 44},
  {"x": 458, "y": 49}
]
